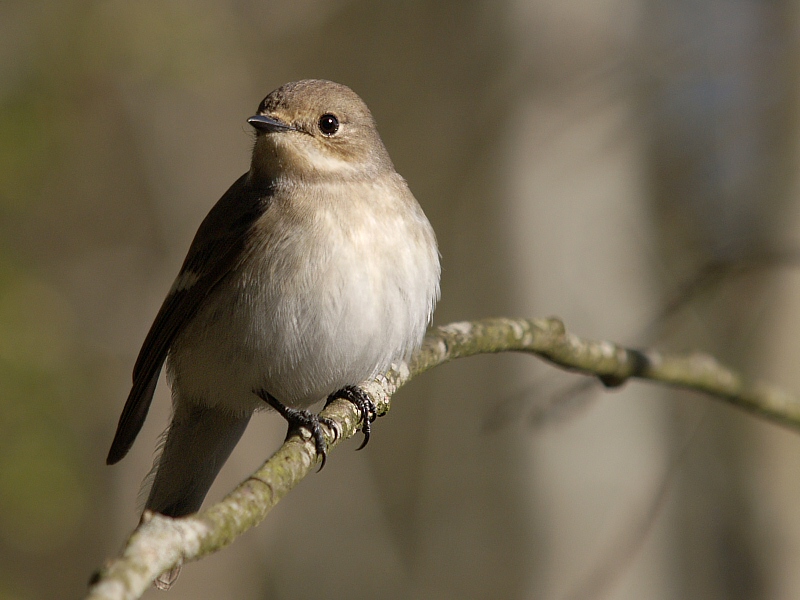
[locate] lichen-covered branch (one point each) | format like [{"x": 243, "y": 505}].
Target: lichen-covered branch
[{"x": 160, "y": 543}]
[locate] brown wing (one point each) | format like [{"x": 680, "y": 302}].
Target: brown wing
[{"x": 218, "y": 247}]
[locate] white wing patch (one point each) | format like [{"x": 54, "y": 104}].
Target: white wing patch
[{"x": 184, "y": 281}]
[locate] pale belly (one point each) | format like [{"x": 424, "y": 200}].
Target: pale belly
[
  {"x": 300, "y": 341},
  {"x": 332, "y": 296}
]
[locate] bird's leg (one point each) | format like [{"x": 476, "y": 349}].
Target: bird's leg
[
  {"x": 298, "y": 418},
  {"x": 361, "y": 400}
]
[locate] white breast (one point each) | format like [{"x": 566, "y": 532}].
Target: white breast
[{"x": 343, "y": 285}]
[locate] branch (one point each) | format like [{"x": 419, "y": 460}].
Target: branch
[{"x": 160, "y": 543}]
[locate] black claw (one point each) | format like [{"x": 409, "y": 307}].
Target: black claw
[
  {"x": 366, "y": 431},
  {"x": 297, "y": 419},
  {"x": 361, "y": 400},
  {"x": 332, "y": 425}
]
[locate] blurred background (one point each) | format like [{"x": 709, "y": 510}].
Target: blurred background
[{"x": 628, "y": 165}]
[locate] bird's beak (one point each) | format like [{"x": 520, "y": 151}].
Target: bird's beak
[{"x": 268, "y": 124}]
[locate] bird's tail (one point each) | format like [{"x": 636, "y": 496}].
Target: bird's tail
[{"x": 196, "y": 445}]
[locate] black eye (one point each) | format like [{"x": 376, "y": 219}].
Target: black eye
[{"x": 328, "y": 124}]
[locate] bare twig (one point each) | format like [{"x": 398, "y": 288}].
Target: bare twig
[{"x": 161, "y": 543}]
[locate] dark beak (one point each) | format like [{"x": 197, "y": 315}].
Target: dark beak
[{"x": 268, "y": 124}]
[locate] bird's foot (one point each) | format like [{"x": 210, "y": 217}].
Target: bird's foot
[
  {"x": 305, "y": 419},
  {"x": 361, "y": 400}
]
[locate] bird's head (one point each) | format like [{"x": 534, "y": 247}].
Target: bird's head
[{"x": 316, "y": 130}]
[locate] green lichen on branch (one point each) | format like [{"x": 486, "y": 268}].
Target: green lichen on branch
[{"x": 160, "y": 543}]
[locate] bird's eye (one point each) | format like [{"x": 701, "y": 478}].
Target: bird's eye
[{"x": 328, "y": 124}]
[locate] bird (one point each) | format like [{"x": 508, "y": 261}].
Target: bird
[{"x": 315, "y": 271}]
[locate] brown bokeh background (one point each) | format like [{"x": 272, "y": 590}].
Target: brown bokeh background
[{"x": 583, "y": 158}]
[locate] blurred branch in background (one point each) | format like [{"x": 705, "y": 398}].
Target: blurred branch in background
[
  {"x": 161, "y": 543},
  {"x": 622, "y": 551},
  {"x": 540, "y": 407}
]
